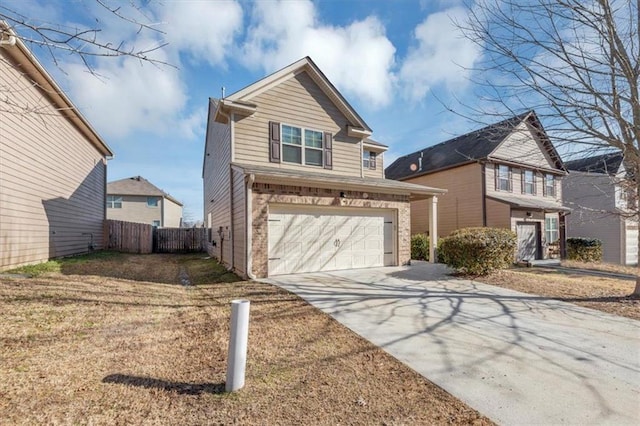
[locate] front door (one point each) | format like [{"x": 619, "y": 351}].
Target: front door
[{"x": 527, "y": 240}]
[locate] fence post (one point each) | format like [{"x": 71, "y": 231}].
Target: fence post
[{"x": 237, "y": 356}]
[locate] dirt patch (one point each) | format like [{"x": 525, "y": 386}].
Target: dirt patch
[
  {"x": 84, "y": 347},
  {"x": 600, "y": 293}
]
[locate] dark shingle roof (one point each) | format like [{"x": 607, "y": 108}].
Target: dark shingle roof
[
  {"x": 608, "y": 163},
  {"x": 472, "y": 146},
  {"x": 137, "y": 185}
]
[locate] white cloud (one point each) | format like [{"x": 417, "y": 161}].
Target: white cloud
[
  {"x": 442, "y": 55},
  {"x": 128, "y": 95},
  {"x": 357, "y": 58},
  {"x": 204, "y": 29}
]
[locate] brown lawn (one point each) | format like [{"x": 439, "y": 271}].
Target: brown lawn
[
  {"x": 595, "y": 292},
  {"x": 115, "y": 339}
]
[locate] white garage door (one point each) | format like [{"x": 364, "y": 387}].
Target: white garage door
[
  {"x": 304, "y": 239},
  {"x": 632, "y": 245}
]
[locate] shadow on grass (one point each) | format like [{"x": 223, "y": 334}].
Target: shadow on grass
[{"x": 181, "y": 388}]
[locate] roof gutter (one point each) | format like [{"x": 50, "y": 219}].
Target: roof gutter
[
  {"x": 43, "y": 79},
  {"x": 358, "y": 132}
]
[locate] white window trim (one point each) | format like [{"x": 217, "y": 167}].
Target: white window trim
[
  {"x": 302, "y": 145},
  {"x": 111, "y": 204},
  {"x": 552, "y": 230},
  {"x": 509, "y": 178},
  {"x": 553, "y": 185},
  {"x": 367, "y": 159},
  {"x": 532, "y": 183},
  {"x": 157, "y": 202}
]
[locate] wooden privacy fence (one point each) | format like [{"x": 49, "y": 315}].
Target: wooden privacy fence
[
  {"x": 129, "y": 237},
  {"x": 179, "y": 240}
]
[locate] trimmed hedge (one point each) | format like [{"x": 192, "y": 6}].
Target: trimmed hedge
[
  {"x": 478, "y": 251},
  {"x": 584, "y": 249}
]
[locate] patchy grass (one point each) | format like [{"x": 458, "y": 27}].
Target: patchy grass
[
  {"x": 601, "y": 266},
  {"x": 600, "y": 293},
  {"x": 96, "y": 344}
]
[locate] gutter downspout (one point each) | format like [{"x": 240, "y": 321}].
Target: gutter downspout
[{"x": 249, "y": 224}]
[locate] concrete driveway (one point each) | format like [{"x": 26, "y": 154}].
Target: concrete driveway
[{"x": 515, "y": 357}]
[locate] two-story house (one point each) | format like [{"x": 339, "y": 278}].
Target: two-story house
[
  {"x": 506, "y": 175},
  {"x": 602, "y": 199},
  {"x": 53, "y": 164},
  {"x": 135, "y": 199},
  {"x": 293, "y": 182}
]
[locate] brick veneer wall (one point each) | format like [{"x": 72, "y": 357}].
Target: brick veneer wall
[{"x": 265, "y": 194}]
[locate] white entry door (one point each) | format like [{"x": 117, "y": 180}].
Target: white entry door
[{"x": 309, "y": 239}]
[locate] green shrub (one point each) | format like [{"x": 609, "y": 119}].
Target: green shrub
[
  {"x": 584, "y": 249},
  {"x": 419, "y": 247},
  {"x": 478, "y": 251}
]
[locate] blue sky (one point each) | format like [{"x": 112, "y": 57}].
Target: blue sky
[{"x": 400, "y": 63}]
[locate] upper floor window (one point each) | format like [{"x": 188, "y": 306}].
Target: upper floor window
[
  {"x": 503, "y": 178},
  {"x": 114, "y": 202},
  {"x": 152, "y": 201},
  {"x": 528, "y": 182},
  {"x": 549, "y": 185},
  {"x": 369, "y": 159},
  {"x": 301, "y": 146},
  {"x": 552, "y": 233}
]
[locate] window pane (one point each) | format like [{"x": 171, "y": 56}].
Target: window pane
[
  {"x": 152, "y": 202},
  {"x": 291, "y": 135},
  {"x": 313, "y": 157},
  {"x": 313, "y": 139},
  {"x": 291, "y": 154}
]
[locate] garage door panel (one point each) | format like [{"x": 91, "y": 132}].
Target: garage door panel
[{"x": 302, "y": 240}]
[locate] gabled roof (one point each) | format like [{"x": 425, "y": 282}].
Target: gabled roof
[
  {"x": 608, "y": 163},
  {"x": 30, "y": 66},
  {"x": 468, "y": 148},
  {"x": 137, "y": 185},
  {"x": 242, "y": 98}
]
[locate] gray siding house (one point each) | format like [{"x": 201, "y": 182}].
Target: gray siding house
[
  {"x": 602, "y": 207},
  {"x": 52, "y": 165},
  {"x": 294, "y": 183}
]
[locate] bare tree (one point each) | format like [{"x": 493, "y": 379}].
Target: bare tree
[{"x": 575, "y": 62}]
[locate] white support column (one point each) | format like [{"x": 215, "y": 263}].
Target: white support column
[{"x": 433, "y": 228}]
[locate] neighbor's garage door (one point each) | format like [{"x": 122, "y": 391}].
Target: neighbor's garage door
[
  {"x": 632, "y": 244},
  {"x": 304, "y": 239}
]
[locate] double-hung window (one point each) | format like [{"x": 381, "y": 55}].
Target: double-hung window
[
  {"x": 549, "y": 185},
  {"x": 301, "y": 146},
  {"x": 503, "y": 178},
  {"x": 528, "y": 182},
  {"x": 369, "y": 159},
  {"x": 551, "y": 229},
  {"x": 114, "y": 202}
]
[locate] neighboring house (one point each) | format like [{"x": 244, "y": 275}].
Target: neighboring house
[
  {"x": 506, "y": 175},
  {"x": 596, "y": 190},
  {"x": 52, "y": 165},
  {"x": 135, "y": 199},
  {"x": 292, "y": 182}
]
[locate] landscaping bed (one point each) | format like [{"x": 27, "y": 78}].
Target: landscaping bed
[{"x": 124, "y": 339}]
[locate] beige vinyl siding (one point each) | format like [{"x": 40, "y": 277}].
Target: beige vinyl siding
[
  {"x": 460, "y": 207},
  {"x": 523, "y": 147},
  {"x": 498, "y": 214},
  {"x": 52, "y": 179},
  {"x": 239, "y": 223},
  {"x": 296, "y": 102},
  {"x": 592, "y": 200},
  {"x": 217, "y": 186},
  {"x": 172, "y": 214},
  {"x": 135, "y": 209},
  {"x": 516, "y": 185}
]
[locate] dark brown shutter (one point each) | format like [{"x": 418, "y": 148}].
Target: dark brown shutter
[
  {"x": 328, "y": 151},
  {"x": 274, "y": 142},
  {"x": 372, "y": 160}
]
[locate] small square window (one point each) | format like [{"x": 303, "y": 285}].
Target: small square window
[
  {"x": 155, "y": 223},
  {"x": 152, "y": 201},
  {"x": 114, "y": 202},
  {"x": 369, "y": 160}
]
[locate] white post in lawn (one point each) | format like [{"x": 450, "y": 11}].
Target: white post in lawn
[
  {"x": 433, "y": 228},
  {"x": 237, "y": 357}
]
